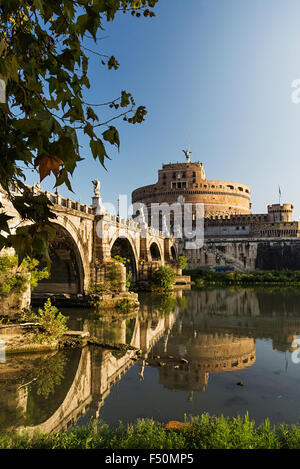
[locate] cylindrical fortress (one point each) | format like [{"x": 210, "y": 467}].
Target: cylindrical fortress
[{"x": 188, "y": 180}]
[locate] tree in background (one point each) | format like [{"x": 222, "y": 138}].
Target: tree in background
[{"x": 44, "y": 66}]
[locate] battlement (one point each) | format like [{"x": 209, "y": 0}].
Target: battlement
[
  {"x": 276, "y": 223},
  {"x": 277, "y": 212},
  {"x": 196, "y": 164}
]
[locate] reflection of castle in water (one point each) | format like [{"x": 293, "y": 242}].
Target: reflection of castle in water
[
  {"x": 213, "y": 332},
  {"x": 205, "y": 354},
  {"x": 246, "y": 313}
]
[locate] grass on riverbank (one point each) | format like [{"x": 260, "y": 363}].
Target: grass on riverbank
[
  {"x": 204, "y": 432},
  {"x": 269, "y": 277}
]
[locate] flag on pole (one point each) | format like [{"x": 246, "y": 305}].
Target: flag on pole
[{"x": 279, "y": 191}]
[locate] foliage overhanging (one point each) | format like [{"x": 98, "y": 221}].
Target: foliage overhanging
[{"x": 44, "y": 65}]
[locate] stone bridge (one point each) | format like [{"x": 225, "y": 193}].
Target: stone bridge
[{"x": 86, "y": 241}]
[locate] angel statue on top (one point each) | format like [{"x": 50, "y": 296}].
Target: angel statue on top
[{"x": 96, "y": 183}]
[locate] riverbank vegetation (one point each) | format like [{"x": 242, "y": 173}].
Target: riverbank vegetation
[
  {"x": 52, "y": 324},
  {"x": 44, "y": 326},
  {"x": 182, "y": 262},
  {"x": 204, "y": 432},
  {"x": 163, "y": 279},
  {"x": 268, "y": 277},
  {"x": 14, "y": 277}
]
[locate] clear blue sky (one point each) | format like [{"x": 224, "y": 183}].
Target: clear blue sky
[{"x": 221, "y": 69}]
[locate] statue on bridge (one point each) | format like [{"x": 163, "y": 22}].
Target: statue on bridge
[
  {"x": 96, "y": 183},
  {"x": 97, "y": 199}
]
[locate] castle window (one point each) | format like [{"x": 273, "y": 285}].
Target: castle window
[
  {"x": 241, "y": 189},
  {"x": 194, "y": 174},
  {"x": 183, "y": 174},
  {"x": 174, "y": 176},
  {"x": 164, "y": 175},
  {"x": 173, "y": 185},
  {"x": 230, "y": 187},
  {"x": 184, "y": 185}
]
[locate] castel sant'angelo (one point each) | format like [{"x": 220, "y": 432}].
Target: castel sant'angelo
[
  {"x": 231, "y": 231},
  {"x": 220, "y": 198}
]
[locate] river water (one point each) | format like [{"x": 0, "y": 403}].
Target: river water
[{"x": 221, "y": 351}]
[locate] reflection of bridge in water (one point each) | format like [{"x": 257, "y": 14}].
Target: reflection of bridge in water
[
  {"x": 97, "y": 371},
  {"x": 212, "y": 332}
]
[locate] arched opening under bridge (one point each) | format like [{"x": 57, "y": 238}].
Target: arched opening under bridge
[
  {"x": 173, "y": 253},
  {"x": 66, "y": 275},
  {"x": 155, "y": 252},
  {"x": 122, "y": 248}
]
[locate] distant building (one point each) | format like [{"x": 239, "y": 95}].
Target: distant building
[
  {"x": 188, "y": 180},
  {"x": 227, "y": 205},
  {"x": 277, "y": 223}
]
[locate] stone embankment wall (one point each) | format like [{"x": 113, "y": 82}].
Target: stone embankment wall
[
  {"x": 14, "y": 302},
  {"x": 250, "y": 254}
]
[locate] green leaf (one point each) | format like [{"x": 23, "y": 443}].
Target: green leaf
[
  {"x": 125, "y": 101},
  {"x": 112, "y": 136},
  {"x": 3, "y": 222},
  {"x": 91, "y": 114},
  {"x": 98, "y": 150},
  {"x": 113, "y": 63}
]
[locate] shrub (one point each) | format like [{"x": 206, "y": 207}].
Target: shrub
[
  {"x": 163, "y": 279},
  {"x": 126, "y": 306},
  {"x": 182, "y": 262},
  {"x": 99, "y": 288},
  {"x": 14, "y": 277},
  {"x": 128, "y": 280},
  {"x": 53, "y": 323},
  {"x": 114, "y": 275}
]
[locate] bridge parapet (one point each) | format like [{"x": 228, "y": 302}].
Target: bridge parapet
[
  {"x": 89, "y": 240},
  {"x": 57, "y": 199}
]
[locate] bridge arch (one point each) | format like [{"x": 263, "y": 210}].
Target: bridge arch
[
  {"x": 155, "y": 252},
  {"x": 68, "y": 266},
  {"x": 123, "y": 247},
  {"x": 173, "y": 253}
]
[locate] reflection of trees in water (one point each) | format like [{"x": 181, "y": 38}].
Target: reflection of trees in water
[
  {"x": 49, "y": 375},
  {"x": 50, "y": 382},
  {"x": 10, "y": 416},
  {"x": 163, "y": 304},
  {"x": 107, "y": 330},
  {"x": 252, "y": 301},
  {"x": 45, "y": 380},
  {"x": 27, "y": 386}
]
